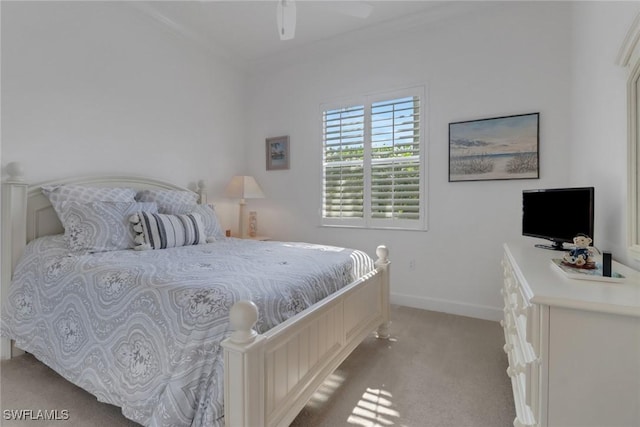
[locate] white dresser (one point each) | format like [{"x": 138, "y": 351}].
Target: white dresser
[{"x": 573, "y": 345}]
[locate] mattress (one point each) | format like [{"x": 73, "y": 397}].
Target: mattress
[{"x": 142, "y": 329}]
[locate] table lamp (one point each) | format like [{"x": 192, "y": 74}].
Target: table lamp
[{"x": 243, "y": 187}]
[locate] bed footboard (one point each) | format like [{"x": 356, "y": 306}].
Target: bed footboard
[{"x": 270, "y": 377}]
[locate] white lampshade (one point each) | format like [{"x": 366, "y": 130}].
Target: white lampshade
[{"x": 244, "y": 187}]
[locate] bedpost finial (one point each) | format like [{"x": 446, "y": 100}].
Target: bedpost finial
[
  {"x": 242, "y": 316},
  {"x": 15, "y": 171},
  {"x": 383, "y": 253},
  {"x": 201, "y": 192}
]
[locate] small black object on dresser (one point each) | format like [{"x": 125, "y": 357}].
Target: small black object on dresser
[{"x": 606, "y": 264}]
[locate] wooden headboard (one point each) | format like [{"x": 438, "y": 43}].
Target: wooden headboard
[{"x": 28, "y": 214}]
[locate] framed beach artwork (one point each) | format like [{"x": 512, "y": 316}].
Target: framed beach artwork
[
  {"x": 278, "y": 153},
  {"x": 495, "y": 148}
]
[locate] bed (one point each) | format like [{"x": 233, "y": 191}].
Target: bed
[{"x": 263, "y": 363}]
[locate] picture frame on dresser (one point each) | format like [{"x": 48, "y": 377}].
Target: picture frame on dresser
[{"x": 496, "y": 148}]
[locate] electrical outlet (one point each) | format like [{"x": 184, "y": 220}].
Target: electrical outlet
[{"x": 412, "y": 264}]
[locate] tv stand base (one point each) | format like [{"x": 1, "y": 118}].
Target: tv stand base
[{"x": 557, "y": 246}]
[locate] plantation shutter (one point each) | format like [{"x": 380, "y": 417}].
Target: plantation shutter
[
  {"x": 373, "y": 159},
  {"x": 343, "y": 149},
  {"x": 395, "y": 159}
]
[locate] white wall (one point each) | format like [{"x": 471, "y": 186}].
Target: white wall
[
  {"x": 507, "y": 59},
  {"x": 599, "y": 116},
  {"x": 97, "y": 87}
]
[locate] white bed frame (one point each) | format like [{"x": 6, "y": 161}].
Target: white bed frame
[{"x": 268, "y": 377}]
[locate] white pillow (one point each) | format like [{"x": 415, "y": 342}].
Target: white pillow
[
  {"x": 212, "y": 228},
  {"x": 100, "y": 226},
  {"x": 160, "y": 231},
  {"x": 59, "y": 194},
  {"x": 167, "y": 198}
]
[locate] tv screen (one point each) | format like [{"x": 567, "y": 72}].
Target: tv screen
[{"x": 557, "y": 214}]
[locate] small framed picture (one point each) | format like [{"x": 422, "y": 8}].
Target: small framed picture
[{"x": 277, "y": 153}]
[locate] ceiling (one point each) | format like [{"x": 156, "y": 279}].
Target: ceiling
[{"x": 246, "y": 31}]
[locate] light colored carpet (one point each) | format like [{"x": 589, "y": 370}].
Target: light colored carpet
[{"x": 438, "y": 370}]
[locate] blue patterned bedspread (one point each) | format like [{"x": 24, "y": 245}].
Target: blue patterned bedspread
[{"x": 142, "y": 330}]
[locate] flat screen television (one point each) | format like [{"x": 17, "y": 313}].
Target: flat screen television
[{"x": 557, "y": 214}]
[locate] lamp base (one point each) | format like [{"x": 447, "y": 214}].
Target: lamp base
[
  {"x": 241, "y": 219},
  {"x": 253, "y": 224}
]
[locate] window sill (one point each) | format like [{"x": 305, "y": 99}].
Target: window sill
[{"x": 362, "y": 227}]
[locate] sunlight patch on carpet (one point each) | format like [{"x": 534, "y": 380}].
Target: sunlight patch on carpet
[
  {"x": 374, "y": 410},
  {"x": 323, "y": 394}
]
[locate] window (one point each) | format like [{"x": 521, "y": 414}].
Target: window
[
  {"x": 373, "y": 157},
  {"x": 629, "y": 56}
]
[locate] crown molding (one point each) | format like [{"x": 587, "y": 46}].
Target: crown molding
[
  {"x": 180, "y": 31},
  {"x": 630, "y": 44}
]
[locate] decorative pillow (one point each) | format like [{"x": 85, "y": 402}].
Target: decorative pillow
[
  {"x": 59, "y": 194},
  {"x": 167, "y": 198},
  {"x": 100, "y": 226},
  {"x": 159, "y": 231},
  {"x": 212, "y": 228}
]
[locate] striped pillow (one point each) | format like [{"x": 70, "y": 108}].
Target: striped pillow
[
  {"x": 212, "y": 228},
  {"x": 159, "y": 231}
]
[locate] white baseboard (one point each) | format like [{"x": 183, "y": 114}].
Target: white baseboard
[
  {"x": 5, "y": 348},
  {"x": 8, "y": 349},
  {"x": 451, "y": 307}
]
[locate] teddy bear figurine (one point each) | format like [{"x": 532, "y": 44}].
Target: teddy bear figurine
[{"x": 582, "y": 255}]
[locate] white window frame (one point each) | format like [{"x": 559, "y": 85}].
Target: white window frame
[
  {"x": 629, "y": 57},
  {"x": 367, "y": 101}
]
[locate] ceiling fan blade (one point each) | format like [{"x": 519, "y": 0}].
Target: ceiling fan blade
[
  {"x": 357, "y": 9},
  {"x": 286, "y": 18}
]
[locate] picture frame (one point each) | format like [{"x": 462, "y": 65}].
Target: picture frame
[
  {"x": 277, "y": 153},
  {"x": 496, "y": 148}
]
